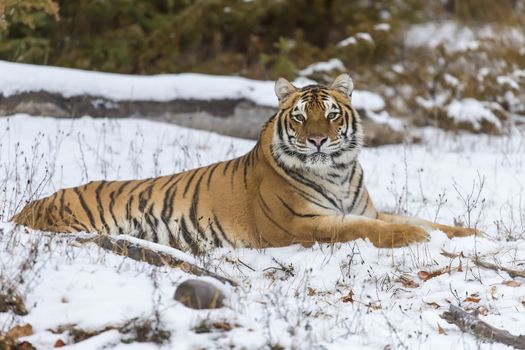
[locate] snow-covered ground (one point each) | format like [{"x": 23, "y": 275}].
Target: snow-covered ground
[
  {"x": 342, "y": 296},
  {"x": 458, "y": 37}
]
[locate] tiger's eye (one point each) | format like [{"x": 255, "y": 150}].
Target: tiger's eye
[
  {"x": 298, "y": 118},
  {"x": 332, "y": 115}
]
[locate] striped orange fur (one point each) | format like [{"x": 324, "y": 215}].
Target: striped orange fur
[{"x": 301, "y": 183}]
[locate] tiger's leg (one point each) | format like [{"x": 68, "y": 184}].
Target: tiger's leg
[
  {"x": 450, "y": 231},
  {"x": 343, "y": 229}
]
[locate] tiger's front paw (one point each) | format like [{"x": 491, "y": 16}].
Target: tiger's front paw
[{"x": 398, "y": 235}]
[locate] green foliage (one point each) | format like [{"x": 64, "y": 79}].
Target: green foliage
[
  {"x": 18, "y": 20},
  {"x": 29, "y": 13},
  {"x": 260, "y": 39},
  {"x": 478, "y": 11}
]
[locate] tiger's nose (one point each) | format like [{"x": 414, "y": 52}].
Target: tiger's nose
[{"x": 318, "y": 141}]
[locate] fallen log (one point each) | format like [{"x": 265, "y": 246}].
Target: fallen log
[
  {"x": 138, "y": 252},
  {"x": 470, "y": 323},
  {"x": 234, "y": 117}
]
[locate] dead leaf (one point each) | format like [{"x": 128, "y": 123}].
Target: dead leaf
[
  {"x": 472, "y": 299},
  {"x": 19, "y": 331},
  {"x": 494, "y": 292},
  {"x": 310, "y": 291},
  {"x": 12, "y": 302},
  {"x": 9, "y": 344},
  {"x": 223, "y": 326},
  {"x": 433, "y": 305},
  {"x": 59, "y": 343},
  {"x": 483, "y": 311},
  {"x": 349, "y": 298},
  {"x": 425, "y": 275},
  {"x": 460, "y": 267},
  {"x": 511, "y": 283},
  {"x": 408, "y": 283},
  {"x": 375, "y": 305},
  {"x": 5, "y": 344},
  {"x": 269, "y": 274},
  {"x": 441, "y": 330},
  {"x": 25, "y": 345}
]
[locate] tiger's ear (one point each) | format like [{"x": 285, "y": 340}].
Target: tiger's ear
[
  {"x": 343, "y": 83},
  {"x": 283, "y": 89}
]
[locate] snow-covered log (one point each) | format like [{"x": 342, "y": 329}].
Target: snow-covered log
[{"x": 228, "y": 105}]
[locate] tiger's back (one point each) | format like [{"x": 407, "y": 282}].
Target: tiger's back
[{"x": 179, "y": 210}]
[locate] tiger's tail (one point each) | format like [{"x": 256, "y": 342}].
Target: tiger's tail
[
  {"x": 41, "y": 214},
  {"x": 68, "y": 210}
]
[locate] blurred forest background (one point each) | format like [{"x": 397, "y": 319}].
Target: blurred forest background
[{"x": 421, "y": 56}]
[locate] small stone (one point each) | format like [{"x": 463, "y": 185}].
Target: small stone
[{"x": 199, "y": 294}]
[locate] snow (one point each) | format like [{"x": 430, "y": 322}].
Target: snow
[
  {"x": 352, "y": 40},
  {"x": 365, "y": 37},
  {"x": 159, "y": 248},
  {"x": 299, "y": 306},
  {"x": 506, "y": 80},
  {"x": 18, "y": 78},
  {"x": 433, "y": 34},
  {"x": 457, "y": 37},
  {"x": 382, "y": 26},
  {"x": 472, "y": 111},
  {"x": 519, "y": 73},
  {"x": 327, "y": 66},
  {"x": 451, "y": 80},
  {"x": 369, "y": 101},
  {"x": 348, "y": 41}
]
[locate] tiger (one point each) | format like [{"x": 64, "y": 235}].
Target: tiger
[{"x": 301, "y": 183}]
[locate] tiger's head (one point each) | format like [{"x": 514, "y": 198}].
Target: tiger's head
[{"x": 316, "y": 127}]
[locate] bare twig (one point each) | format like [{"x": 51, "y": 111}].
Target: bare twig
[
  {"x": 135, "y": 330},
  {"x": 244, "y": 264},
  {"x": 470, "y": 323},
  {"x": 452, "y": 255},
  {"x": 485, "y": 264},
  {"x": 287, "y": 269},
  {"x": 150, "y": 256},
  {"x": 512, "y": 273}
]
